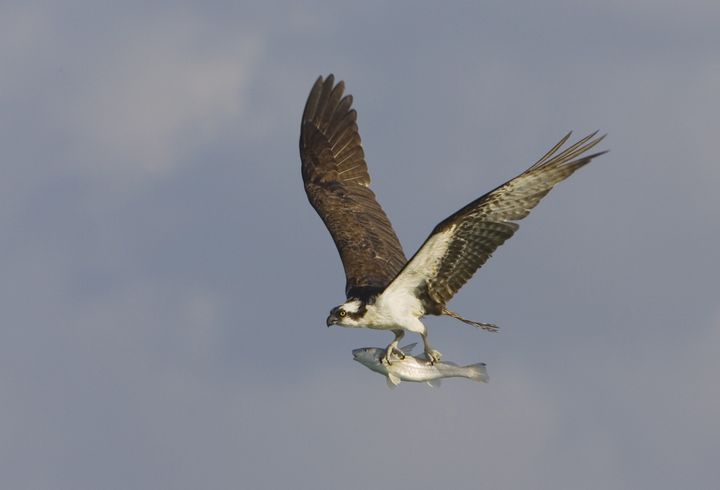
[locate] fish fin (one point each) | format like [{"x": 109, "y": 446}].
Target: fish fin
[
  {"x": 408, "y": 348},
  {"x": 478, "y": 372},
  {"x": 392, "y": 381},
  {"x": 434, "y": 383}
]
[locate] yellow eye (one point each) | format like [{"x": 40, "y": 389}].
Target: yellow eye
[{"x": 342, "y": 313}]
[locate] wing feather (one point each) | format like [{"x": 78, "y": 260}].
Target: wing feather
[
  {"x": 462, "y": 243},
  {"x": 337, "y": 185}
]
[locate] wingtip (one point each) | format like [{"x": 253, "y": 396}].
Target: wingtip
[
  {"x": 595, "y": 155},
  {"x": 319, "y": 81}
]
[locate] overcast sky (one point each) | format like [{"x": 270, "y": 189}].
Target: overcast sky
[{"x": 165, "y": 282}]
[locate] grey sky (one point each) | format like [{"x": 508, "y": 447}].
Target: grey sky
[{"x": 165, "y": 282}]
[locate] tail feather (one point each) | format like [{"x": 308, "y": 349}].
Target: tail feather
[
  {"x": 478, "y": 372},
  {"x": 490, "y": 327}
]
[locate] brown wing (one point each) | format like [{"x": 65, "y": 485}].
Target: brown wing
[
  {"x": 336, "y": 182},
  {"x": 463, "y": 242}
]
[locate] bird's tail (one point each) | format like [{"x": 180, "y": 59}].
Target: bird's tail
[
  {"x": 490, "y": 327},
  {"x": 478, "y": 372}
]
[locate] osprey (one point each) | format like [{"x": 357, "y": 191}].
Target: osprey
[{"x": 383, "y": 289}]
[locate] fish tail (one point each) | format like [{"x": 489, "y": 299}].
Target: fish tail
[{"x": 477, "y": 372}]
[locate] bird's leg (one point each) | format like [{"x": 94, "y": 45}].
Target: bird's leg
[
  {"x": 432, "y": 355},
  {"x": 393, "y": 347}
]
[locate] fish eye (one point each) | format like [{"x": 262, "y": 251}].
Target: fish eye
[{"x": 342, "y": 313}]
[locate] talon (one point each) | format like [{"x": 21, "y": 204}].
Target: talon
[
  {"x": 433, "y": 356},
  {"x": 386, "y": 357},
  {"x": 392, "y": 349}
]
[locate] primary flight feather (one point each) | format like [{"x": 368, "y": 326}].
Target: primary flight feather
[{"x": 383, "y": 289}]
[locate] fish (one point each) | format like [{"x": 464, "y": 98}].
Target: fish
[{"x": 405, "y": 367}]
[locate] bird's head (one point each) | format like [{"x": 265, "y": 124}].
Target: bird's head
[{"x": 348, "y": 314}]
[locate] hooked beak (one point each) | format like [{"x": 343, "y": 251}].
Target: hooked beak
[{"x": 331, "y": 320}]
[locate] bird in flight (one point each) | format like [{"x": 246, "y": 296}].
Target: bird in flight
[{"x": 383, "y": 289}]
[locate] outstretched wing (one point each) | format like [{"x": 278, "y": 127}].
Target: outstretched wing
[
  {"x": 463, "y": 242},
  {"x": 337, "y": 184}
]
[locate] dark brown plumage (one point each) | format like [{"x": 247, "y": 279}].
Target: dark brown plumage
[
  {"x": 337, "y": 184},
  {"x": 486, "y": 223},
  {"x": 384, "y": 290}
]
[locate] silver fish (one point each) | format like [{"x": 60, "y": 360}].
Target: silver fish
[{"x": 416, "y": 369}]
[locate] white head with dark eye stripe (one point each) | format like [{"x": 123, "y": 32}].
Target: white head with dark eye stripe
[{"x": 348, "y": 314}]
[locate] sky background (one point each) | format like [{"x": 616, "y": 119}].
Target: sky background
[{"x": 165, "y": 282}]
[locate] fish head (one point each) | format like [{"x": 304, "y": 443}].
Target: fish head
[{"x": 368, "y": 356}]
